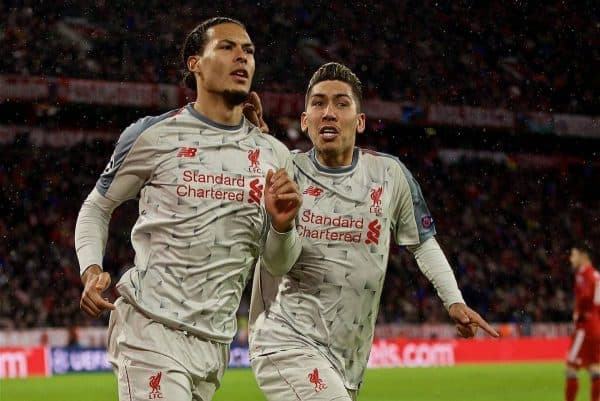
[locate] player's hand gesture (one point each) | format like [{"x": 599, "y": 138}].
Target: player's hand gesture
[
  {"x": 254, "y": 112},
  {"x": 467, "y": 321},
  {"x": 282, "y": 199},
  {"x": 95, "y": 283}
]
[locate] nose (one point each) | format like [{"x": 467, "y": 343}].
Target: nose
[
  {"x": 240, "y": 55},
  {"x": 328, "y": 113}
]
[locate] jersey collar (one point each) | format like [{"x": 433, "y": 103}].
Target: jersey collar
[
  {"x": 312, "y": 154},
  {"x": 204, "y": 119}
]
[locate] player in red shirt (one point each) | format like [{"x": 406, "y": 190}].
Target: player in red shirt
[{"x": 584, "y": 351}]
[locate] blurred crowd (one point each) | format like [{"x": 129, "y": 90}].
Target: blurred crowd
[
  {"x": 506, "y": 230},
  {"x": 515, "y": 55}
]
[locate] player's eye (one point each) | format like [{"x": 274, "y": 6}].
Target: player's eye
[
  {"x": 343, "y": 104},
  {"x": 317, "y": 103},
  {"x": 249, "y": 50}
]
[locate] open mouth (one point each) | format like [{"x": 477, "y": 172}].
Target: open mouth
[
  {"x": 242, "y": 74},
  {"x": 328, "y": 132}
]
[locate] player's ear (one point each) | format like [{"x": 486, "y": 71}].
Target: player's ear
[
  {"x": 192, "y": 63},
  {"x": 360, "y": 127},
  {"x": 303, "y": 123}
]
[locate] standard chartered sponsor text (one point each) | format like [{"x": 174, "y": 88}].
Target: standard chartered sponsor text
[
  {"x": 191, "y": 191},
  {"x": 339, "y": 228},
  {"x": 218, "y": 179}
]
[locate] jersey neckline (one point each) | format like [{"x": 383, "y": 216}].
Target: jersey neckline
[
  {"x": 333, "y": 170},
  {"x": 204, "y": 119}
]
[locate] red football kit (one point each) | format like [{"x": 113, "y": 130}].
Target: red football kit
[{"x": 585, "y": 343}]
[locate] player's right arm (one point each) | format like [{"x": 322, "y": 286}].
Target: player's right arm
[
  {"x": 282, "y": 202},
  {"x": 127, "y": 171}
]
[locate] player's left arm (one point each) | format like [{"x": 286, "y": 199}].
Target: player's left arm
[
  {"x": 282, "y": 203},
  {"x": 434, "y": 265},
  {"x": 414, "y": 227}
]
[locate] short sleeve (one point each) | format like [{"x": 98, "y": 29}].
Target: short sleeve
[
  {"x": 130, "y": 165},
  {"x": 412, "y": 222}
]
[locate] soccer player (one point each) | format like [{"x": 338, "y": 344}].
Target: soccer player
[
  {"x": 312, "y": 329},
  {"x": 214, "y": 194},
  {"x": 584, "y": 351}
]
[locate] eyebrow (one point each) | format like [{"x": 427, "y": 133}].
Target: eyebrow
[
  {"x": 336, "y": 96},
  {"x": 234, "y": 43}
]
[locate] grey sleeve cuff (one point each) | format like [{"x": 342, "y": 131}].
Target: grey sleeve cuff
[
  {"x": 281, "y": 251},
  {"x": 91, "y": 229},
  {"x": 435, "y": 267}
]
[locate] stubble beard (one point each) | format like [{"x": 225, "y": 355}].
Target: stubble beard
[{"x": 235, "y": 97}]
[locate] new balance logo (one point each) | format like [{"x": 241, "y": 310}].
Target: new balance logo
[
  {"x": 187, "y": 152},
  {"x": 313, "y": 191}
]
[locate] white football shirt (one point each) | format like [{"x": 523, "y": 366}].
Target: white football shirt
[
  {"x": 201, "y": 224},
  {"x": 330, "y": 298}
]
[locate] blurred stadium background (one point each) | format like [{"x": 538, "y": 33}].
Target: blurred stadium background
[{"x": 494, "y": 108}]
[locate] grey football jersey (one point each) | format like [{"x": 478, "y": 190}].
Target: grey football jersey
[
  {"x": 202, "y": 222},
  {"x": 330, "y": 298}
]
